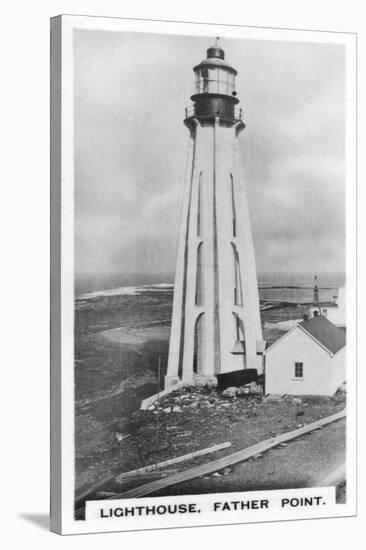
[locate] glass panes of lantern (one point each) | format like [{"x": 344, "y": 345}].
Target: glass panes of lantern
[{"x": 214, "y": 81}]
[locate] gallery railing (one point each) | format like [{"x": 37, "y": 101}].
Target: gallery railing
[{"x": 190, "y": 112}]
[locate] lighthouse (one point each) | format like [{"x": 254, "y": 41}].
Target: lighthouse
[{"x": 216, "y": 325}]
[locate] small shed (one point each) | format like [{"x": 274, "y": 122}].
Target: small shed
[{"x": 309, "y": 359}]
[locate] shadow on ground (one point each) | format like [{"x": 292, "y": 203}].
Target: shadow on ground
[{"x": 40, "y": 520}]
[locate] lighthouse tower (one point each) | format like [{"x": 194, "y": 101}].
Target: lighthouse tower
[{"x": 216, "y": 326}]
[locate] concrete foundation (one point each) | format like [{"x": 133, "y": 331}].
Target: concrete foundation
[{"x": 171, "y": 381}]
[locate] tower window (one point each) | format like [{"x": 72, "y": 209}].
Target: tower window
[
  {"x": 299, "y": 370},
  {"x": 238, "y": 291},
  {"x": 239, "y": 327},
  {"x": 233, "y": 205},
  {"x": 199, "y": 276},
  {"x": 198, "y": 344}
]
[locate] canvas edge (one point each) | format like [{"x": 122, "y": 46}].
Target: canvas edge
[
  {"x": 68, "y": 526},
  {"x": 55, "y": 275}
]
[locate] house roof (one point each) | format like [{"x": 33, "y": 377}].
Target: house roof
[
  {"x": 324, "y": 332},
  {"x": 321, "y": 330}
]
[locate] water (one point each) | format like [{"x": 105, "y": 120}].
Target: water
[
  {"x": 272, "y": 286},
  {"x": 85, "y": 284}
]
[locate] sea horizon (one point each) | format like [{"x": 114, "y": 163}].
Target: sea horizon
[{"x": 86, "y": 284}]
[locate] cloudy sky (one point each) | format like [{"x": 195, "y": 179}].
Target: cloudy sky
[{"x": 131, "y": 145}]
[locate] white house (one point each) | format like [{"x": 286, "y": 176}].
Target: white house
[{"x": 307, "y": 360}]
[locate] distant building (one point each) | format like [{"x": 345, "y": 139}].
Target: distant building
[
  {"x": 308, "y": 360},
  {"x": 336, "y": 313}
]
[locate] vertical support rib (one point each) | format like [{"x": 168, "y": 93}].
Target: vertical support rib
[
  {"x": 177, "y": 326},
  {"x": 216, "y": 271},
  {"x": 244, "y": 243},
  {"x": 207, "y": 222},
  {"x": 226, "y": 265},
  {"x": 191, "y": 274}
]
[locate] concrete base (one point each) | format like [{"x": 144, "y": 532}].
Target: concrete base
[
  {"x": 171, "y": 381},
  {"x": 204, "y": 380},
  {"x": 145, "y": 404}
]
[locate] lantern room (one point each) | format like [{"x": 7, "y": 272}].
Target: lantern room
[
  {"x": 215, "y": 94},
  {"x": 213, "y": 75}
]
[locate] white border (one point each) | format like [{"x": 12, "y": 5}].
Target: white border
[{"x": 69, "y": 24}]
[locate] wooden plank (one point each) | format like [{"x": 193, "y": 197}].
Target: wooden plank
[
  {"x": 150, "y": 468},
  {"x": 143, "y": 478},
  {"x": 175, "y": 460},
  {"x": 142, "y": 475},
  {"x": 79, "y": 498},
  {"x": 229, "y": 460}
]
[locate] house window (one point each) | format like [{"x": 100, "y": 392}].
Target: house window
[{"x": 299, "y": 370}]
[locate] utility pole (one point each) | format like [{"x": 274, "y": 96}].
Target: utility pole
[{"x": 157, "y": 409}]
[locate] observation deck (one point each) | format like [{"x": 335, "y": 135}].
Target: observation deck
[{"x": 231, "y": 118}]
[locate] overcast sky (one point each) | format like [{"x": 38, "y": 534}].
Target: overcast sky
[{"x": 131, "y": 145}]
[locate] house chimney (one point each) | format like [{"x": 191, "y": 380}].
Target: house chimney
[
  {"x": 316, "y": 313},
  {"x": 306, "y": 317}
]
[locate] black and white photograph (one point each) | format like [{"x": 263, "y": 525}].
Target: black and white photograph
[{"x": 207, "y": 274}]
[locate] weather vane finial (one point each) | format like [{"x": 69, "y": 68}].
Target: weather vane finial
[{"x": 217, "y": 41}]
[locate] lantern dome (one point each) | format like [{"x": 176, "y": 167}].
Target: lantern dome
[
  {"x": 216, "y": 51},
  {"x": 215, "y": 58}
]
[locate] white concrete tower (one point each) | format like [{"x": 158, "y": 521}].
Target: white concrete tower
[{"x": 216, "y": 326}]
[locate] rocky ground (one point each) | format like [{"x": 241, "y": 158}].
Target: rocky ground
[{"x": 191, "y": 419}]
